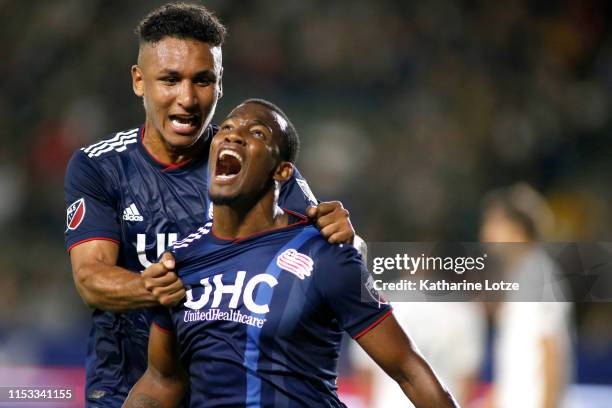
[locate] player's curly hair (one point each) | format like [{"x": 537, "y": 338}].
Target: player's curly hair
[
  {"x": 181, "y": 20},
  {"x": 290, "y": 148}
]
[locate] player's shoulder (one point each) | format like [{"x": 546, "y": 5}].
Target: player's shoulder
[
  {"x": 115, "y": 143},
  {"x": 334, "y": 265},
  {"x": 332, "y": 254}
]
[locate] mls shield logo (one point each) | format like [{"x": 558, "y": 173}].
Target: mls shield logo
[
  {"x": 75, "y": 214},
  {"x": 371, "y": 289},
  {"x": 298, "y": 264}
]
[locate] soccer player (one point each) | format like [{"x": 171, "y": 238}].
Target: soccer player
[
  {"x": 268, "y": 298},
  {"x": 532, "y": 342},
  {"x": 132, "y": 195}
]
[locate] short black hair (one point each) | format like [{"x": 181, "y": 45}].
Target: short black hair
[
  {"x": 181, "y": 20},
  {"x": 291, "y": 147}
]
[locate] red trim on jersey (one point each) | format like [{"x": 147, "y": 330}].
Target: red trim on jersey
[
  {"x": 163, "y": 328},
  {"x": 303, "y": 220},
  {"x": 302, "y": 216},
  {"x": 373, "y": 325},
  {"x": 169, "y": 166},
  {"x": 92, "y": 239}
]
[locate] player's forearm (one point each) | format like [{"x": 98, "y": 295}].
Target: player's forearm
[
  {"x": 156, "y": 392},
  {"x": 112, "y": 288},
  {"x": 395, "y": 353},
  {"x": 420, "y": 384}
]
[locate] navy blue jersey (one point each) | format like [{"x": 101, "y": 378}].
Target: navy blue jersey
[
  {"x": 262, "y": 322},
  {"x": 115, "y": 190}
]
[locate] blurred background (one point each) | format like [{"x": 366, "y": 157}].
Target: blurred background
[{"x": 409, "y": 113}]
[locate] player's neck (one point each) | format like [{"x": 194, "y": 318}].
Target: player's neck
[
  {"x": 234, "y": 222},
  {"x": 164, "y": 152}
]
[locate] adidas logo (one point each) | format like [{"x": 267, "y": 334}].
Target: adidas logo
[{"x": 131, "y": 214}]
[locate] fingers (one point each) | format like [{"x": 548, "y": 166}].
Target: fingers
[
  {"x": 168, "y": 290},
  {"x": 341, "y": 237},
  {"x": 161, "y": 290},
  {"x": 327, "y": 213},
  {"x": 324, "y": 208},
  {"x": 154, "y": 271},
  {"x": 172, "y": 299},
  {"x": 162, "y": 282},
  {"x": 167, "y": 260},
  {"x": 337, "y": 234},
  {"x": 166, "y": 279},
  {"x": 311, "y": 212},
  {"x": 170, "y": 295},
  {"x": 333, "y": 221},
  {"x": 329, "y": 230},
  {"x": 330, "y": 219},
  {"x": 165, "y": 264}
]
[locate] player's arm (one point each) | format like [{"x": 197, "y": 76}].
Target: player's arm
[
  {"x": 395, "y": 353},
  {"x": 92, "y": 237},
  {"x": 164, "y": 382},
  {"x": 104, "y": 285},
  {"x": 373, "y": 325}
]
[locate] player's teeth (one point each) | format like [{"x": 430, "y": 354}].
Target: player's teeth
[
  {"x": 182, "y": 122},
  {"x": 230, "y": 153}
]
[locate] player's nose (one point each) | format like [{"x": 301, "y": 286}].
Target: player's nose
[
  {"x": 187, "y": 96},
  {"x": 234, "y": 137}
]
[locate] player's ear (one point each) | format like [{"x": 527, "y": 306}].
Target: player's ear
[
  {"x": 137, "y": 81},
  {"x": 283, "y": 171}
]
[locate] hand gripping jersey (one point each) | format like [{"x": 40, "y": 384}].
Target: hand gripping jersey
[
  {"x": 116, "y": 191},
  {"x": 263, "y": 318}
]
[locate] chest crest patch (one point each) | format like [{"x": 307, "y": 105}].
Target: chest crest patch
[{"x": 295, "y": 262}]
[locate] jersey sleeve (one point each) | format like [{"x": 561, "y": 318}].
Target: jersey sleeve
[
  {"x": 161, "y": 318},
  {"x": 341, "y": 277},
  {"x": 90, "y": 207},
  {"x": 295, "y": 194}
]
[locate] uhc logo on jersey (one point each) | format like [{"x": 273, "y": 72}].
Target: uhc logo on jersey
[
  {"x": 75, "y": 214},
  {"x": 239, "y": 290},
  {"x": 236, "y": 289},
  {"x": 298, "y": 264}
]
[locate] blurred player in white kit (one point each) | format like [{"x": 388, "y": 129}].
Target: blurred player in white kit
[{"x": 532, "y": 344}]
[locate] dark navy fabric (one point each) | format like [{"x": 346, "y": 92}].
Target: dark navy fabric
[
  {"x": 254, "y": 334},
  {"x": 125, "y": 195}
]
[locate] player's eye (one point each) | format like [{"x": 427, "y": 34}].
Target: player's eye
[
  {"x": 258, "y": 133},
  {"x": 170, "y": 80},
  {"x": 226, "y": 127},
  {"x": 202, "y": 82}
]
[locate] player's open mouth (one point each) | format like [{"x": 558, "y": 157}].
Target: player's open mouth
[
  {"x": 228, "y": 166},
  {"x": 185, "y": 124}
]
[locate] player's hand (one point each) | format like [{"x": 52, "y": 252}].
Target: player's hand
[
  {"x": 161, "y": 280},
  {"x": 333, "y": 221}
]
